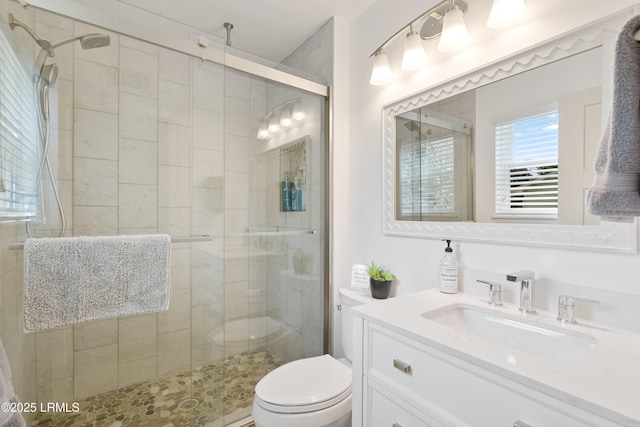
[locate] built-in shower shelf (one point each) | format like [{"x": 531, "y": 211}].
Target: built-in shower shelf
[{"x": 293, "y": 275}]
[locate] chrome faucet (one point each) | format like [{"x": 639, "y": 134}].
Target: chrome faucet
[{"x": 527, "y": 280}]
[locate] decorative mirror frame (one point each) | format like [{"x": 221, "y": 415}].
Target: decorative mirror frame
[{"x": 611, "y": 236}]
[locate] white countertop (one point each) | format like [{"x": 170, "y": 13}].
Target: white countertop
[{"x": 606, "y": 382}]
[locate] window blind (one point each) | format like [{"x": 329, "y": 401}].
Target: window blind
[
  {"x": 527, "y": 166},
  {"x": 18, "y": 137},
  {"x": 427, "y": 178}
]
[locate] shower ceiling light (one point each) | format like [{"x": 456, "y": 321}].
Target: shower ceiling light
[
  {"x": 280, "y": 118},
  {"x": 505, "y": 13},
  {"x": 444, "y": 20}
]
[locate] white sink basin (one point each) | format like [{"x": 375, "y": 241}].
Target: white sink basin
[{"x": 518, "y": 332}]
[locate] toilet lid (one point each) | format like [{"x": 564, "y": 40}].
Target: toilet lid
[{"x": 305, "y": 385}]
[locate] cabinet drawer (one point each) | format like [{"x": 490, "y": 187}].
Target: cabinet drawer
[
  {"x": 436, "y": 382},
  {"x": 383, "y": 412},
  {"x": 398, "y": 361}
]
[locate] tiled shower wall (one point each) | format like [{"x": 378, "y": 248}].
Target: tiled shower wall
[{"x": 141, "y": 150}]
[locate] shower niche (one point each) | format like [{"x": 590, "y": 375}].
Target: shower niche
[{"x": 293, "y": 171}]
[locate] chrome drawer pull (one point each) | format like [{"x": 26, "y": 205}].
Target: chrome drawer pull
[
  {"x": 519, "y": 423},
  {"x": 402, "y": 366}
]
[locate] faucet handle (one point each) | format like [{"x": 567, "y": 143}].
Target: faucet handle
[
  {"x": 495, "y": 293},
  {"x": 567, "y": 307}
]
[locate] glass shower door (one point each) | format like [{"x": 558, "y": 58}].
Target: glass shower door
[{"x": 274, "y": 233}]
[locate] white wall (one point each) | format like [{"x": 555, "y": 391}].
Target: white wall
[{"x": 414, "y": 261}]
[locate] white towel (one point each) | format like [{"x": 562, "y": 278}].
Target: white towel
[
  {"x": 77, "y": 279},
  {"x": 8, "y": 418}
]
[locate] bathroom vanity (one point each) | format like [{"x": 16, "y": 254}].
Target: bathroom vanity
[{"x": 431, "y": 359}]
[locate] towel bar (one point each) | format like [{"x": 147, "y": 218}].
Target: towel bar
[{"x": 207, "y": 238}]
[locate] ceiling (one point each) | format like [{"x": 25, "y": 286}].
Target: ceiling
[{"x": 271, "y": 29}]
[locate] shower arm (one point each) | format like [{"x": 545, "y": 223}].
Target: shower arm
[
  {"x": 44, "y": 44},
  {"x": 72, "y": 39}
]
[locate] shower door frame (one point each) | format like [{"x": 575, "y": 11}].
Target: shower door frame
[{"x": 192, "y": 48}]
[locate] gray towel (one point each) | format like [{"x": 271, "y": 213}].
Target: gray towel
[
  {"x": 77, "y": 279},
  {"x": 616, "y": 188},
  {"x": 8, "y": 418}
]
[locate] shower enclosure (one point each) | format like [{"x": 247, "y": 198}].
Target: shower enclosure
[{"x": 148, "y": 140}]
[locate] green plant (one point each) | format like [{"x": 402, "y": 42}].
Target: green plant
[{"x": 377, "y": 272}]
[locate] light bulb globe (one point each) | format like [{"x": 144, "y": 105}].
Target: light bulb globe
[
  {"x": 381, "y": 71},
  {"x": 454, "y": 32},
  {"x": 506, "y": 13},
  {"x": 414, "y": 55}
]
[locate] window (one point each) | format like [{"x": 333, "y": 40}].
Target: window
[
  {"x": 527, "y": 167},
  {"x": 18, "y": 137},
  {"x": 426, "y": 172}
]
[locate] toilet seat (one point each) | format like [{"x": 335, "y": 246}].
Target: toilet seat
[{"x": 305, "y": 385}]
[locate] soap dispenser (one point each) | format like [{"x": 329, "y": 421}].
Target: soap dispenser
[{"x": 448, "y": 271}]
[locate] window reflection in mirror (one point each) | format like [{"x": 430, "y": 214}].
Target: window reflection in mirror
[{"x": 517, "y": 150}]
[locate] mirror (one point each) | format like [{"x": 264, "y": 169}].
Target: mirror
[
  {"x": 527, "y": 166},
  {"x": 506, "y": 154}
]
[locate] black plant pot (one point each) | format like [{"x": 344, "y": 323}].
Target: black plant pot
[{"x": 380, "y": 288}]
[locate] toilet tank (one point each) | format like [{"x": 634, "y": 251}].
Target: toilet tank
[{"x": 349, "y": 298}]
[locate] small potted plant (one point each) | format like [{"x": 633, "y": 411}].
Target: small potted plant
[{"x": 379, "y": 281}]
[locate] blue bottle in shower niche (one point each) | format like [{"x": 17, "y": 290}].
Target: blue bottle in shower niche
[
  {"x": 285, "y": 193},
  {"x": 296, "y": 194}
]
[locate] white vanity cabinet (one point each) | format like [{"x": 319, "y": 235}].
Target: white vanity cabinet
[{"x": 402, "y": 382}]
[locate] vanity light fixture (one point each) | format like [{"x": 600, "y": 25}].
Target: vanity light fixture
[
  {"x": 454, "y": 36},
  {"x": 274, "y": 124},
  {"x": 298, "y": 113},
  {"x": 280, "y": 118},
  {"x": 505, "y": 13},
  {"x": 444, "y": 20},
  {"x": 414, "y": 54},
  {"x": 263, "y": 131},
  {"x": 381, "y": 70},
  {"x": 285, "y": 118}
]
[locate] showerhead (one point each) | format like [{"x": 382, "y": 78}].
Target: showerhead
[
  {"x": 418, "y": 129},
  {"x": 92, "y": 41},
  {"x": 412, "y": 126},
  {"x": 44, "y": 44},
  {"x": 87, "y": 41},
  {"x": 49, "y": 74}
]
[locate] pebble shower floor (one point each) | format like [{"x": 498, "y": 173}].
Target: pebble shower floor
[{"x": 219, "y": 389}]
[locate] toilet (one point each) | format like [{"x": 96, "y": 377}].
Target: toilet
[{"x": 316, "y": 391}]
